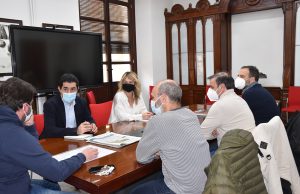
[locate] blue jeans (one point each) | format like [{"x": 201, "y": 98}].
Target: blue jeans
[
  {"x": 45, "y": 187},
  {"x": 153, "y": 187}
]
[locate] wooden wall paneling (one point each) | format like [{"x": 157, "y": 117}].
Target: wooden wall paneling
[
  {"x": 289, "y": 43},
  {"x": 290, "y": 11},
  {"x": 105, "y": 92},
  {"x": 191, "y": 32},
  {"x": 228, "y": 39},
  {"x": 221, "y": 14},
  {"x": 276, "y": 92},
  {"x": 244, "y": 6},
  {"x": 169, "y": 51}
]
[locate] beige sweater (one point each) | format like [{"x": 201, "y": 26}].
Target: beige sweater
[{"x": 229, "y": 112}]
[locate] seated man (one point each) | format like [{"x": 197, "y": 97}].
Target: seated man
[
  {"x": 228, "y": 112},
  {"x": 260, "y": 101},
  {"x": 21, "y": 150},
  {"x": 67, "y": 114},
  {"x": 173, "y": 135}
]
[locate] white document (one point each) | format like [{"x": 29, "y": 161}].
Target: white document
[
  {"x": 68, "y": 154},
  {"x": 113, "y": 139},
  {"x": 79, "y": 137}
]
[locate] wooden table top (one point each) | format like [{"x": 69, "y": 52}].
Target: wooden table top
[{"x": 127, "y": 171}]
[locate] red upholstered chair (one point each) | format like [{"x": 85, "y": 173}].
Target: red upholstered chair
[
  {"x": 39, "y": 123},
  {"x": 207, "y": 101},
  {"x": 101, "y": 112},
  {"x": 150, "y": 91},
  {"x": 150, "y": 96},
  {"x": 91, "y": 97},
  {"x": 293, "y": 100}
]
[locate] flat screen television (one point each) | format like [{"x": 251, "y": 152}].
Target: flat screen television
[{"x": 40, "y": 56}]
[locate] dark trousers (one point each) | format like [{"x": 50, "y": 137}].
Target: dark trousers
[{"x": 157, "y": 186}]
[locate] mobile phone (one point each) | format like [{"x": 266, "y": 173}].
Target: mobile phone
[
  {"x": 102, "y": 170},
  {"x": 95, "y": 169}
]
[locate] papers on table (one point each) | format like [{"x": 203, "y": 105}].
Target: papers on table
[
  {"x": 113, "y": 139},
  {"x": 65, "y": 155},
  {"x": 79, "y": 137}
]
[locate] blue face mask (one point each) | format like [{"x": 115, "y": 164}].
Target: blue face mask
[
  {"x": 69, "y": 97},
  {"x": 156, "y": 110}
]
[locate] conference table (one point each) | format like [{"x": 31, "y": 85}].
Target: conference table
[{"x": 127, "y": 169}]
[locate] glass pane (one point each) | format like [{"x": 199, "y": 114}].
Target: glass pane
[
  {"x": 297, "y": 50},
  {"x": 209, "y": 40},
  {"x": 118, "y": 13},
  {"x": 184, "y": 55},
  {"x": 92, "y": 8},
  {"x": 104, "y": 53},
  {"x": 118, "y": 70},
  {"x": 91, "y": 26},
  {"x": 199, "y": 53},
  {"x": 175, "y": 53},
  {"x": 120, "y": 52},
  {"x": 105, "y": 73},
  {"x": 119, "y": 33}
]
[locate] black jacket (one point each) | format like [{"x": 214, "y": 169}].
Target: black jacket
[
  {"x": 55, "y": 118},
  {"x": 293, "y": 132}
]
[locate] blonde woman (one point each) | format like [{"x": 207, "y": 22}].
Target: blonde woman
[{"x": 128, "y": 104}]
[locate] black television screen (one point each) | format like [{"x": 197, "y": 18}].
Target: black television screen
[{"x": 40, "y": 56}]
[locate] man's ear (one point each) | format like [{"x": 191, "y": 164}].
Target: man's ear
[
  {"x": 252, "y": 79},
  {"x": 164, "y": 99}
]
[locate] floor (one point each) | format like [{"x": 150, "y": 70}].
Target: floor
[
  {"x": 64, "y": 186},
  {"x": 69, "y": 188}
]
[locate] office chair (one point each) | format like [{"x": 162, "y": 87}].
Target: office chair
[
  {"x": 91, "y": 97},
  {"x": 293, "y": 100},
  {"x": 101, "y": 112},
  {"x": 39, "y": 123}
]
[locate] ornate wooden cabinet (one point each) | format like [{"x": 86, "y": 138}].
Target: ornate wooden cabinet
[{"x": 198, "y": 42}]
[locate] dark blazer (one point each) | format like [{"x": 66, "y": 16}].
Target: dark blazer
[
  {"x": 261, "y": 103},
  {"x": 55, "y": 118}
]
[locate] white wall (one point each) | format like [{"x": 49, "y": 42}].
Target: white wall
[
  {"x": 151, "y": 43},
  {"x": 151, "y": 40},
  {"x": 257, "y": 39},
  {"x": 64, "y": 12},
  {"x": 16, "y": 9},
  {"x": 36, "y": 12}
]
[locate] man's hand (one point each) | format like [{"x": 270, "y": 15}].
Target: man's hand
[
  {"x": 84, "y": 127},
  {"x": 147, "y": 115},
  {"x": 90, "y": 153},
  {"x": 94, "y": 128},
  {"x": 215, "y": 133}
]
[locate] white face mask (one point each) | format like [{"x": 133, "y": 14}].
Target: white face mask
[
  {"x": 156, "y": 110},
  {"x": 29, "y": 115},
  {"x": 239, "y": 83},
  {"x": 212, "y": 95}
]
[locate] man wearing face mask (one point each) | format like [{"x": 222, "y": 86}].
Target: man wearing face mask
[
  {"x": 21, "y": 150},
  {"x": 228, "y": 112},
  {"x": 260, "y": 101},
  {"x": 174, "y": 135},
  {"x": 67, "y": 114}
]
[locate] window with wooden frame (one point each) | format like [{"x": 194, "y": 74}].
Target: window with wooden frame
[{"x": 115, "y": 20}]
